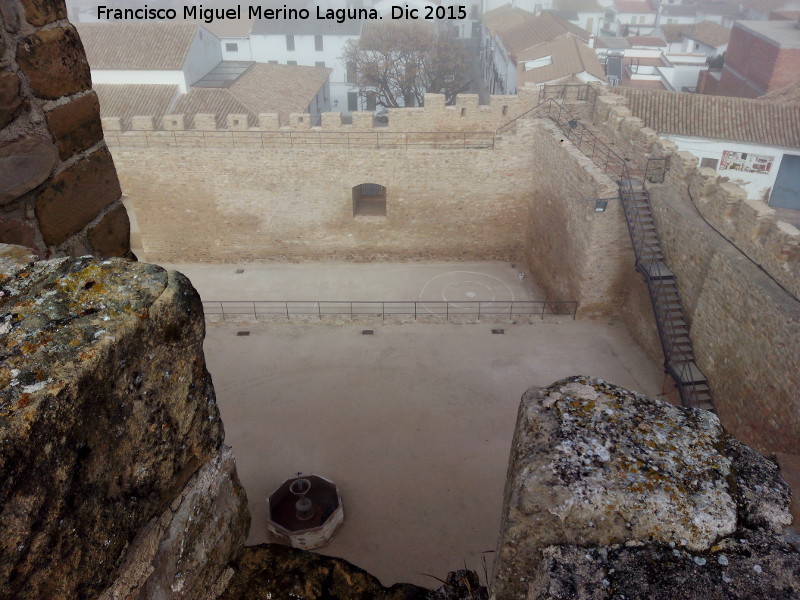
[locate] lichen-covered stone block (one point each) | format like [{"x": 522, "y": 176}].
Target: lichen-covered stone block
[
  {"x": 42, "y": 12},
  {"x": 54, "y": 62},
  {"x": 594, "y": 464},
  {"x": 107, "y": 412}
]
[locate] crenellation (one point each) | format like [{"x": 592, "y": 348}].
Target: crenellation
[
  {"x": 237, "y": 122},
  {"x": 111, "y": 123},
  {"x": 173, "y": 122}
]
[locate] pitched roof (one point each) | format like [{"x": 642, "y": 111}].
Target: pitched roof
[
  {"x": 137, "y": 46},
  {"x": 538, "y": 30},
  {"x": 722, "y": 9},
  {"x": 128, "y": 101},
  {"x": 264, "y": 88},
  {"x": 674, "y": 32},
  {"x": 579, "y": 5},
  {"x": 789, "y": 93},
  {"x": 504, "y": 17},
  {"x": 569, "y": 55},
  {"x": 633, "y": 6},
  {"x": 677, "y": 10},
  {"x": 717, "y": 117},
  {"x": 708, "y": 33},
  {"x": 646, "y": 40}
]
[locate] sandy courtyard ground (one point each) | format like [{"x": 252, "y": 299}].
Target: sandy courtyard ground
[{"x": 414, "y": 423}]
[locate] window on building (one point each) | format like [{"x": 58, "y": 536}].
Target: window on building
[
  {"x": 372, "y": 101},
  {"x": 697, "y": 46},
  {"x": 291, "y": 62},
  {"x": 709, "y": 162},
  {"x": 290, "y": 43},
  {"x": 351, "y": 72},
  {"x": 369, "y": 199},
  {"x": 352, "y": 101},
  {"x": 320, "y": 63},
  {"x": 231, "y": 47},
  {"x": 318, "y": 43}
]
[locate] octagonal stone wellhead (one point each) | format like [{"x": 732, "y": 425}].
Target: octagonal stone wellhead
[{"x": 305, "y": 512}]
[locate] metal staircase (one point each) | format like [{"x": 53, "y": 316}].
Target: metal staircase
[{"x": 673, "y": 330}]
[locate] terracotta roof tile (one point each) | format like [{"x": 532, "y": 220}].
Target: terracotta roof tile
[
  {"x": 709, "y": 33},
  {"x": 128, "y": 101},
  {"x": 137, "y": 46},
  {"x": 264, "y": 88},
  {"x": 717, "y": 117},
  {"x": 538, "y": 30},
  {"x": 570, "y": 57},
  {"x": 505, "y": 17},
  {"x": 633, "y": 6}
]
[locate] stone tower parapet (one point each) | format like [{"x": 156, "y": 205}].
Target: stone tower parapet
[{"x": 58, "y": 188}]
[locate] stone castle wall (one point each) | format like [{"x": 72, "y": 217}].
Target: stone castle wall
[
  {"x": 750, "y": 224},
  {"x": 59, "y": 194},
  {"x": 739, "y": 294},
  {"x": 465, "y": 115},
  {"x": 297, "y": 203}
]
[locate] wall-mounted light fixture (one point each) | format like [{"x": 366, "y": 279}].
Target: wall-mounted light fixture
[{"x": 336, "y": 103}]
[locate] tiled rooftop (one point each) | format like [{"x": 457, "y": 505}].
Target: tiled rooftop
[
  {"x": 569, "y": 55},
  {"x": 128, "y": 101},
  {"x": 137, "y": 46},
  {"x": 709, "y": 33},
  {"x": 717, "y": 117},
  {"x": 504, "y": 17},
  {"x": 538, "y": 30}
]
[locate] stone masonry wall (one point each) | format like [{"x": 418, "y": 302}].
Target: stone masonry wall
[
  {"x": 750, "y": 224},
  {"x": 739, "y": 287},
  {"x": 573, "y": 251},
  {"x": 296, "y": 203},
  {"x": 115, "y": 482},
  {"x": 465, "y": 115},
  {"x": 59, "y": 193}
]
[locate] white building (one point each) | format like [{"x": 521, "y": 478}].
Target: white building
[
  {"x": 630, "y": 17},
  {"x": 149, "y": 53},
  {"x": 310, "y": 43},
  {"x": 753, "y": 142}
]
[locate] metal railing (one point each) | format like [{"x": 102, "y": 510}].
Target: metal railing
[
  {"x": 277, "y": 139},
  {"x": 507, "y": 309},
  {"x": 581, "y": 136},
  {"x": 662, "y": 285}
]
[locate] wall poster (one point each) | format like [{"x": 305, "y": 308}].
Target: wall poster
[{"x": 746, "y": 162}]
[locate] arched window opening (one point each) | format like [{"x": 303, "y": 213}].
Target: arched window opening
[{"x": 369, "y": 199}]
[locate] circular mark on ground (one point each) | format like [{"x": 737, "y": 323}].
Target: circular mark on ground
[{"x": 464, "y": 291}]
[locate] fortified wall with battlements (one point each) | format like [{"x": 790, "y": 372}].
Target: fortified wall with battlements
[
  {"x": 470, "y": 182},
  {"x": 116, "y": 479}
]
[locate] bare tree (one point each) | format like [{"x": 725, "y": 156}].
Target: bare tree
[{"x": 398, "y": 62}]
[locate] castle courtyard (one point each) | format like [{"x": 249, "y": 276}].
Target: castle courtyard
[{"x": 414, "y": 422}]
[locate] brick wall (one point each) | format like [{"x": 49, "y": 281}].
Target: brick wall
[
  {"x": 58, "y": 189},
  {"x": 755, "y": 66}
]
